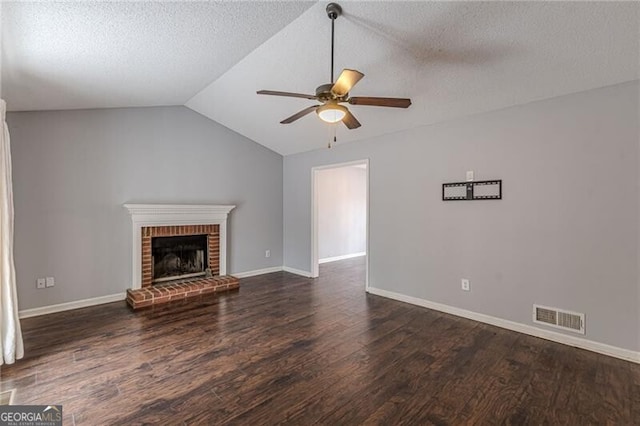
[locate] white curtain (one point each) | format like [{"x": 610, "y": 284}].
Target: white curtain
[{"x": 10, "y": 333}]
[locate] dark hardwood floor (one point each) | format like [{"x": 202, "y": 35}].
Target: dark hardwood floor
[{"x": 285, "y": 349}]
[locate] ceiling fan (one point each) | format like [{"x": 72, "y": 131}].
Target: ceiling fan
[{"x": 332, "y": 95}]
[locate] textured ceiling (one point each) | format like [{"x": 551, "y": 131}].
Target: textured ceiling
[
  {"x": 452, "y": 58},
  {"x": 95, "y": 54}
]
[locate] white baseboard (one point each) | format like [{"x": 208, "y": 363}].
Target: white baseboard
[
  {"x": 257, "y": 272},
  {"x": 306, "y": 274},
  {"x": 44, "y": 310},
  {"x": 34, "y": 312},
  {"x": 343, "y": 257},
  {"x": 577, "y": 342}
]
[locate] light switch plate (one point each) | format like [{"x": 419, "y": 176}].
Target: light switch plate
[{"x": 50, "y": 282}]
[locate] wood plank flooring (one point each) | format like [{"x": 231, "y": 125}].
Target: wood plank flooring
[{"x": 285, "y": 349}]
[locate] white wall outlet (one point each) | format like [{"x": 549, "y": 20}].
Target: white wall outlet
[
  {"x": 40, "y": 283},
  {"x": 470, "y": 176},
  {"x": 50, "y": 282},
  {"x": 267, "y": 253},
  {"x": 466, "y": 286}
]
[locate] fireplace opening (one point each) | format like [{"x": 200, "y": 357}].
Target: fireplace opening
[{"x": 178, "y": 257}]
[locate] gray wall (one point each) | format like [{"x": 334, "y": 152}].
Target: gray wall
[
  {"x": 565, "y": 234},
  {"x": 342, "y": 211},
  {"x": 73, "y": 170}
]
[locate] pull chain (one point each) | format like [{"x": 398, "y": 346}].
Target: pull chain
[{"x": 332, "y": 135}]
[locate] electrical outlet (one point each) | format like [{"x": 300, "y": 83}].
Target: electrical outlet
[
  {"x": 267, "y": 253},
  {"x": 50, "y": 282},
  {"x": 40, "y": 283},
  {"x": 466, "y": 286}
]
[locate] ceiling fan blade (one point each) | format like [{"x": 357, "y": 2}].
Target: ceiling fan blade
[
  {"x": 299, "y": 114},
  {"x": 383, "y": 102},
  {"x": 347, "y": 79},
  {"x": 288, "y": 94},
  {"x": 350, "y": 121}
]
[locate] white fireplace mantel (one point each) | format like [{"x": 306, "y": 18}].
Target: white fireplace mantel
[{"x": 175, "y": 214}]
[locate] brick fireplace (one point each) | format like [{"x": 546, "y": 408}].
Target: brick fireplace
[
  {"x": 163, "y": 272},
  {"x": 149, "y": 233}
]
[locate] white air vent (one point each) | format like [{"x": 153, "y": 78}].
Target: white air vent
[{"x": 559, "y": 318}]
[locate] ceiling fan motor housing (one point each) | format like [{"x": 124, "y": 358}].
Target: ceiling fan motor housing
[{"x": 324, "y": 93}]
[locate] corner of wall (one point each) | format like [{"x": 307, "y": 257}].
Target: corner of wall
[
  {"x": 0, "y": 50},
  {"x": 638, "y": 214}
]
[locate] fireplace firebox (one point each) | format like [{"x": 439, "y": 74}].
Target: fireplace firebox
[{"x": 178, "y": 257}]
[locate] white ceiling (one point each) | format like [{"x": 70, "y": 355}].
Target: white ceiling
[
  {"x": 452, "y": 58},
  {"x": 97, "y": 54}
]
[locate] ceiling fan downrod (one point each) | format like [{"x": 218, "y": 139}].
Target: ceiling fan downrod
[{"x": 333, "y": 11}]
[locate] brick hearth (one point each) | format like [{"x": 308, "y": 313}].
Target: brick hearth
[{"x": 164, "y": 293}]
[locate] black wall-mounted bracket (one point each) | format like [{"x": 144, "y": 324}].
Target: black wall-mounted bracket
[{"x": 478, "y": 190}]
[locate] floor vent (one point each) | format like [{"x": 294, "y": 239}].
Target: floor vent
[{"x": 559, "y": 318}]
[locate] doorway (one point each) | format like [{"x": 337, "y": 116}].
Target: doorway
[{"x": 340, "y": 214}]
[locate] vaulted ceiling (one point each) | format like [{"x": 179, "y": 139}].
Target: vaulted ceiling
[{"x": 451, "y": 58}]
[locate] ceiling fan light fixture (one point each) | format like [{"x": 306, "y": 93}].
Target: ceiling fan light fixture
[{"x": 331, "y": 112}]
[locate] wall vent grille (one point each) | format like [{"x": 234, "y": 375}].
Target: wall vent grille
[{"x": 559, "y": 318}]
